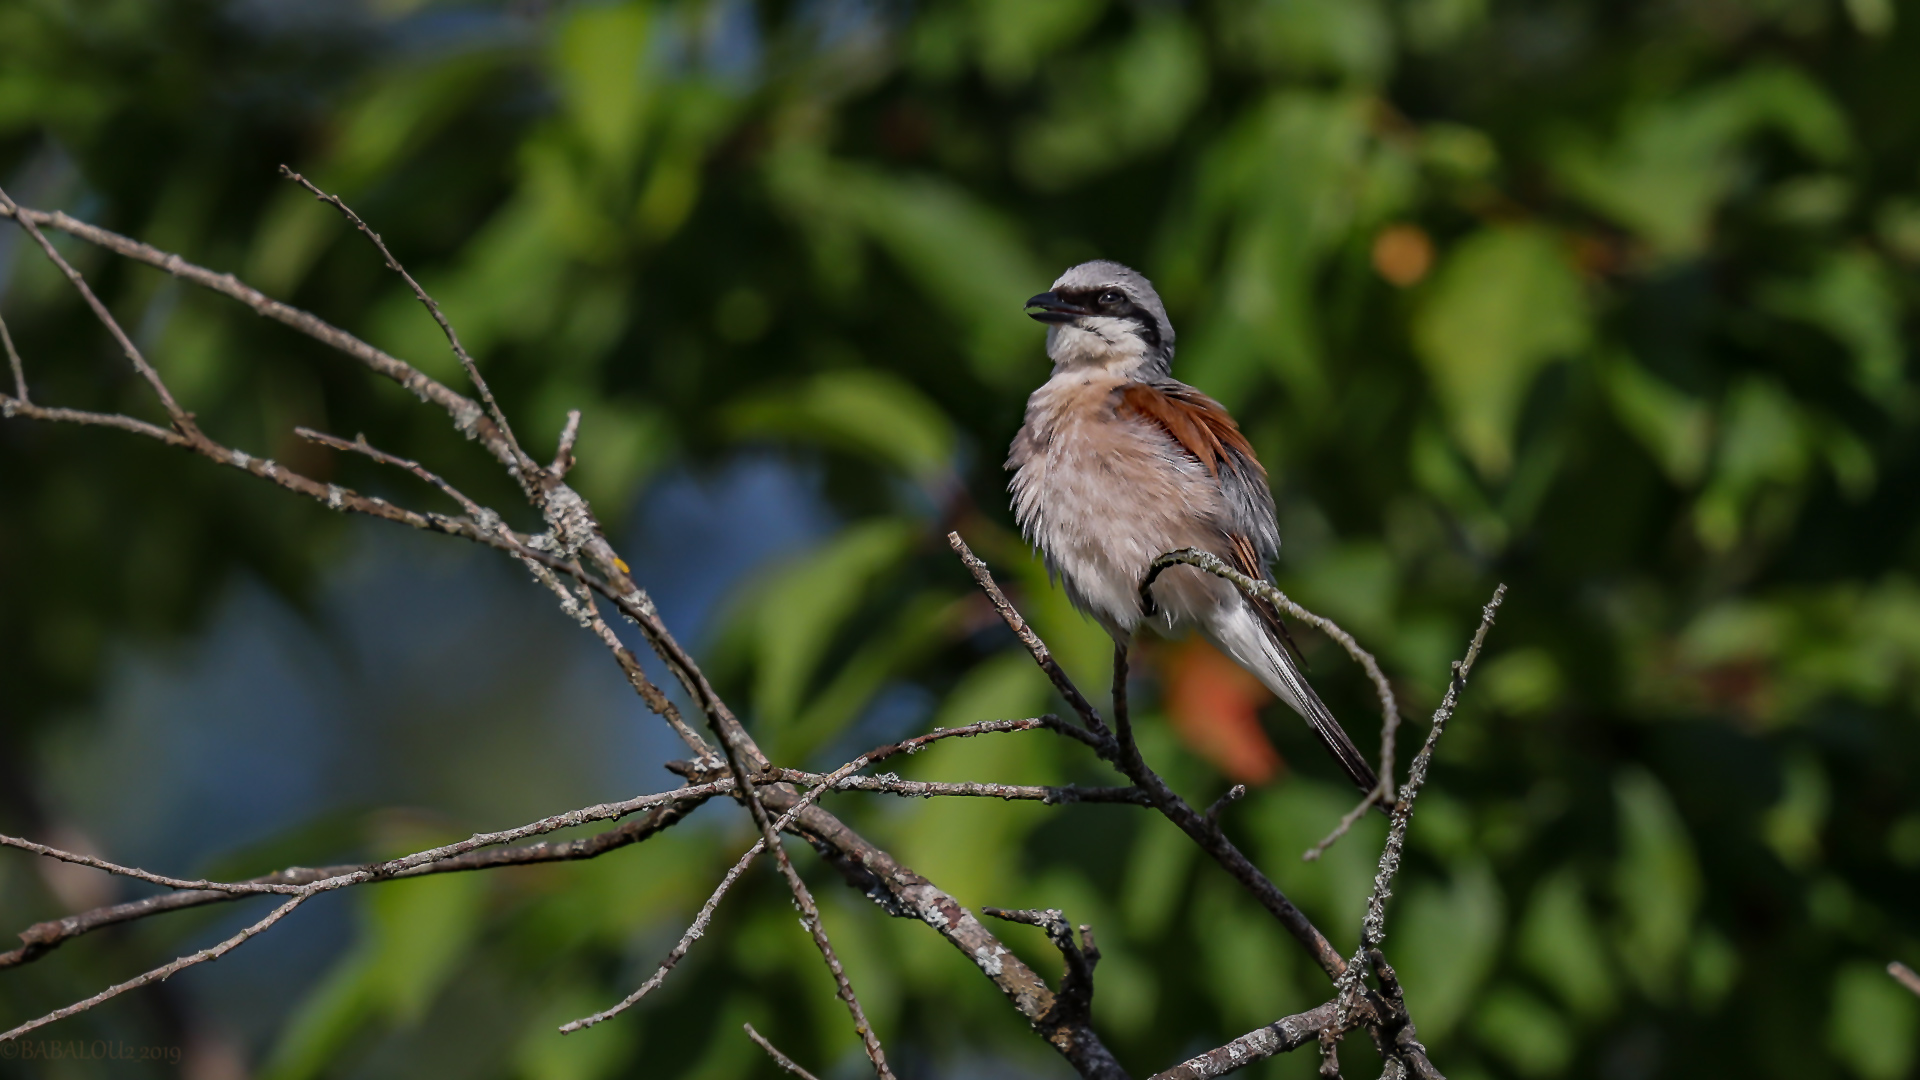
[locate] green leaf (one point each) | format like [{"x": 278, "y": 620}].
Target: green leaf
[
  {"x": 1873, "y": 1022},
  {"x": 1676, "y": 158},
  {"x": 1524, "y": 1031},
  {"x": 1764, "y": 439},
  {"x": 798, "y": 613},
  {"x": 865, "y": 410},
  {"x": 1348, "y": 38},
  {"x": 1106, "y": 109},
  {"x": 1280, "y": 190},
  {"x": 1560, "y": 943},
  {"x": 1851, "y": 296},
  {"x": 1504, "y": 305},
  {"x": 1656, "y": 883},
  {"x": 1792, "y": 826},
  {"x": 1675, "y": 428},
  {"x": 1015, "y": 35},
  {"x": 1443, "y": 940},
  {"x": 965, "y": 256},
  {"x": 414, "y": 933},
  {"x": 963, "y": 843},
  {"x": 605, "y": 80},
  {"x": 544, "y": 1054},
  {"x": 1248, "y": 964}
]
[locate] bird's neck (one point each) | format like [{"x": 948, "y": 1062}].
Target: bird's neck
[{"x": 1105, "y": 346}]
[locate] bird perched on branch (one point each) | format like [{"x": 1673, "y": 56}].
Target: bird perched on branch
[{"x": 1119, "y": 463}]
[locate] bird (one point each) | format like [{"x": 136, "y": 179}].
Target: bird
[{"x": 1118, "y": 463}]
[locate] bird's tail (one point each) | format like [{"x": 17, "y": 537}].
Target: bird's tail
[
  {"x": 1252, "y": 635},
  {"x": 1320, "y": 719}
]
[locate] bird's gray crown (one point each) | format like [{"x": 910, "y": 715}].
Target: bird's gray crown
[{"x": 1103, "y": 308}]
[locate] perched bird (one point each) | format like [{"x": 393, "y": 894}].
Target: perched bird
[{"x": 1119, "y": 463}]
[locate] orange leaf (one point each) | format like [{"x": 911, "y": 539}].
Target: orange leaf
[{"x": 1215, "y": 708}]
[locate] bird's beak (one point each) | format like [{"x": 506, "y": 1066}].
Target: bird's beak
[{"x": 1053, "y": 309}]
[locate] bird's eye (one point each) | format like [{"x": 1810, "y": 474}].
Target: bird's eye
[{"x": 1111, "y": 296}]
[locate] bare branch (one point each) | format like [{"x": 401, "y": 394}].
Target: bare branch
[
  {"x": 1125, "y": 756},
  {"x": 467, "y": 415},
  {"x": 1075, "y": 1001},
  {"x": 1266, "y": 590},
  {"x": 360, "y": 446},
  {"x": 433, "y": 308},
  {"x": 1347, "y": 821},
  {"x": 182, "y": 420},
  {"x": 1288, "y": 1033},
  {"x": 1329, "y": 1054},
  {"x": 360, "y": 875},
  {"x": 13, "y": 361},
  {"x": 902, "y": 893},
  {"x": 43, "y": 937},
  {"x": 1373, "y": 926},
  {"x": 166, "y": 970},
  {"x": 1041, "y": 654},
  {"x": 1233, "y": 794},
  {"x": 928, "y": 789},
  {"x": 827, "y": 783},
  {"x": 563, "y": 456},
  {"x": 779, "y": 1058},
  {"x": 11, "y": 407},
  {"x": 240, "y": 888},
  {"x": 655, "y": 698},
  {"x": 699, "y": 926}
]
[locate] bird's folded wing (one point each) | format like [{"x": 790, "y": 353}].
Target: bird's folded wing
[{"x": 1202, "y": 428}]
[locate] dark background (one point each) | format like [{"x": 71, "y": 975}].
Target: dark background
[{"x": 1612, "y": 302}]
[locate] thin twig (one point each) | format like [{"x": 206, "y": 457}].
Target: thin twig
[
  {"x": 827, "y": 783},
  {"x": 468, "y": 417},
  {"x": 1288, "y": 1033},
  {"x": 1120, "y": 750},
  {"x": 573, "y": 529},
  {"x": 563, "y": 455},
  {"x": 167, "y": 970},
  {"x": 360, "y": 875},
  {"x": 13, "y": 361},
  {"x": 360, "y": 446},
  {"x": 1904, "y": 975},
  {"x": 655, "y": 698},
  {"x": 580, "y": 605},
  {"x": 1373, "y": 926},
  {"x": 1015, "y": 621},
  {"x": 1233, "y": 794},
  {"x": 433, "y": 308},
  {"x": 1347, "y": 821},
  {"x": 779, "y": 1058},
  {"x": 240, "y": 888},
  {"x": 1080, "y": 957},
  {"x": 931, "y": 789},
  {"x": 11, "y": 407},
  {"x": 1373, "y": 929},
  {"x": 1266, "y": 590},
  {"x": 182, "y": 420}
]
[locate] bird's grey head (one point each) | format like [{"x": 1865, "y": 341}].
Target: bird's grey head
[{"x": 1106, "y": 315}]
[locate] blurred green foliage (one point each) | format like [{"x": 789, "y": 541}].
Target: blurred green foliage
[{"x": 1610, "y": 301}]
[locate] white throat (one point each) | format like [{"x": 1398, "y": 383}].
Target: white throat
[{"x": 1096, "y": 341}]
